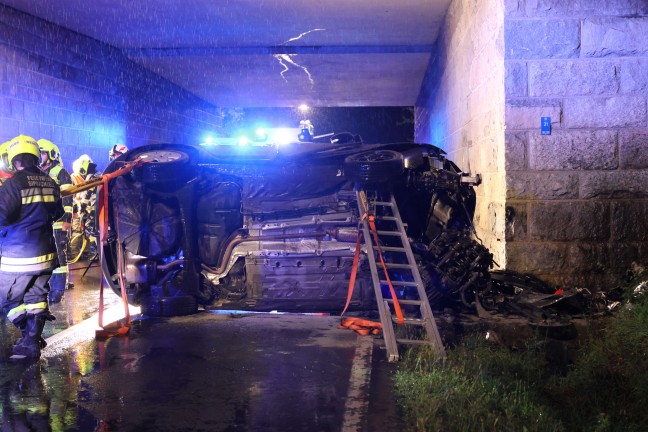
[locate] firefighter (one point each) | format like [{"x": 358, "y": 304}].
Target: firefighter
[
  {"x": 83, "y": 169},
  {"x": 52, "y": 166},
  {"x": 5, "y": 169},
  {"x": 116, "y": 151},
  {"x": 30, "y": 202}
]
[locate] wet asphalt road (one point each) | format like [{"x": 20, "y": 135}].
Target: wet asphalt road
[{"x": 205, "y": 372}]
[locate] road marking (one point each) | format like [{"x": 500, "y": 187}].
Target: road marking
[{"x": 357, "y": 401}]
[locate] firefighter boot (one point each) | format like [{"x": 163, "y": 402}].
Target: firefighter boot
[
  {"x": 57, "y": 287},
  {"x": 22, "y": 326},
  {"x": 30, "y": 344}
]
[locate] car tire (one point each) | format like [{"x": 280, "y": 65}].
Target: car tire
[
  {"x": 163, "y": 164},
  {"x": 168, "y": 306},
  {"x": 376, "y": 166}
]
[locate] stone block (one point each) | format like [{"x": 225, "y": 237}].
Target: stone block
[
  {"x": 585, "y": 257},
  {"x": 619, "y": 37},
  {"x": 529, "y": 185},
  {"x": 9, "y": 127},
  {"x": 537, "y": 257},
  {"x": 569, "y": 221},
  {"x": 515, "y": 148},
  {"x": 526, "y": 113},
  {"x": 13, "y": 107},
  {"x": 621, "y": 255},
  {"x": 608, "y": 261},
  {"x": 539, "y": 39},
  {"x": 633, "y": 149},
  {"x": 629, "y": 221},
  {"x": 512, "y": 8},
  {"x": 593, "y": 77},
  {"x": 593, "y": 281},
  {"x": 515, "y": 80},
  {"x": 516, "y": 222},
  {"x": 613, "y": 112},
  {"x": 613, "y": 184},
  {"x": 562, "y": 8},
  {"x": 633, "y": 75},
  {"x": 573, "y": 150}
]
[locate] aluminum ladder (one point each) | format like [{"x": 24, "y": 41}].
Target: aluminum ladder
[{"x": 393, "y": 242}]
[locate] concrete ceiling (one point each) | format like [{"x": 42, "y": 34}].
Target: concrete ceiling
[{"x": 267, "y": 53}]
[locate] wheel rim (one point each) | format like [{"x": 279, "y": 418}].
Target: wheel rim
[{"x": 161, "y": 156}]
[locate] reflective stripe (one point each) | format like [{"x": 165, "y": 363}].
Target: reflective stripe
[
  {"x": 68, "y": 209},
  {"x": 29, "y": 260},
  {"x": 62, "y": 269},
  {"x": 66, "y": 186},
  {"x": 37, "y": 199},
  {"x": 34, "y": 191},
  {"x": 35, "y": 307},
  {"x": 18, "y": 310},
  {"x": 26, "y": 268},
  {"x": 14, "y": 265},
  {"x": 37, "y": 194}
]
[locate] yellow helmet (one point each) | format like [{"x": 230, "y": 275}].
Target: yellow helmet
[
  {"x": 81, "y": 165},
  {"x": 22, "y": 144},
  {"x": 52, "y": 150}
]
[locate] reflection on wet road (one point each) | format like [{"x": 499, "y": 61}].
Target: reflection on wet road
[{"x": 207, "y": 372}]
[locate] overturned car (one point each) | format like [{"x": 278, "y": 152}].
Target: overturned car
[{"x": 275, "y": 227}]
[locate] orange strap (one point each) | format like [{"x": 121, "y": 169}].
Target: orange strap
[
  {"x": 399, "y": 313},
  {"x": 361, "y": 326},
  {"x": 116, "y": 328}
]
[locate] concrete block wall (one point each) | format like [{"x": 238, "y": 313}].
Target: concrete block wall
[
  {"x": 461, "y": 107},
  {"x": 86, "y": 96},
  {"x": 576, "y": 200}
]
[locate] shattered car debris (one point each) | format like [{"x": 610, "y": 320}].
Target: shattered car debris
[{"x": 274, "y": 227}]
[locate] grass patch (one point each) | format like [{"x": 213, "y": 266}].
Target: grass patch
[{"x": 487, "y": 387}]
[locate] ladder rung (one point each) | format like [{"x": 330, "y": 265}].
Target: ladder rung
[
  {"x": 413, "y": 342},
  {"x": 386, "y": 218},
  {"x": 383, "y": 203},
  {"x": 405, "y": 302},
  {"x": 410, "y": 321},
  {"x": 399, "y": 283},
  {"x": 398, "y": 266},
  {"x": 390, "y": 249},
  {"x": 389, "y": 233}
]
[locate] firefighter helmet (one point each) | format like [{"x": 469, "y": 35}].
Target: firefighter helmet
[
  {"x": 22, "y": 144},
  {"x": 116, "y": 151},
  {"x": 52, "y": 150},
  {"x": 81, "y": 165}
]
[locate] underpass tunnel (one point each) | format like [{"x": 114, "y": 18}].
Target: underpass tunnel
[{"x": 546, "y": 100}]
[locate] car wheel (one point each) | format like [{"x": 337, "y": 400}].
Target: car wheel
[
  {"x": 376, "y": 166},
  {"x": 169, "y": 306},
  {"x": 163, "y": 164}
]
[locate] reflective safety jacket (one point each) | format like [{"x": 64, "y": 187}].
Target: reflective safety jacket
[
  {"x": 64, "y": 180},
  {"x": 30, "y": 202}
]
